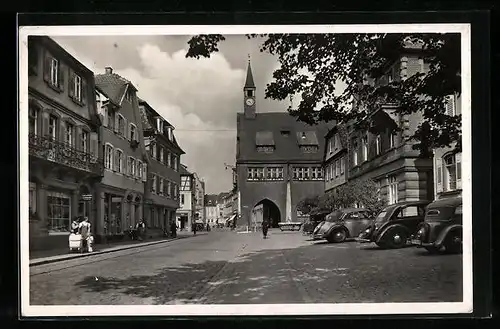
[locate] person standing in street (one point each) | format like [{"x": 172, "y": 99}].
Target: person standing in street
[
  {"x": 194, "y": 228},
  {"x": 265, "y": 227},
  {"x": 173, "y": 229},
  {"x": 141, "y": 229},
  {"x": 84, "y": 229}
]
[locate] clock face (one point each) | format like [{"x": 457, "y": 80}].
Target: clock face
[{"x": 249, "y": 101}]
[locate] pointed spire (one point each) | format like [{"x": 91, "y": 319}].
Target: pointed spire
[{"x": 249, "y": 81}]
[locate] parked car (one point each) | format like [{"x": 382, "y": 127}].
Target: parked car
[
  {"x": 442, "y": 226},
  {"x": 342, "y": 224},
  {"x": 395, "y": 224},
  {"x": 316, "y": 217}
]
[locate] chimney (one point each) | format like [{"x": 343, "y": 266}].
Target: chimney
[{"x": 109, "y": 70}]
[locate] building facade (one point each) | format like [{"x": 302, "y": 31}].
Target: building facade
[
  {"x": 121, "y": 192},
  {"x": 278, "y": 160},
  {"x": 162, "y": 189},
  {"x": 335, "y": 158},
  {"x": 65, "y": 163},
  {"x": 211, "y": 209},
  {"x": 199, "y": 199},
  {"x": 385, "y": 153},
  {"x": 447, "y": 161},
  {"x": 187, "y": 206}
]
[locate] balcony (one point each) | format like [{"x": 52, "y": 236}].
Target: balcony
[{"x": 64, "y": 154}]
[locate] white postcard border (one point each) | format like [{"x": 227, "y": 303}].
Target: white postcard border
[{"x": 246, "y": 309}]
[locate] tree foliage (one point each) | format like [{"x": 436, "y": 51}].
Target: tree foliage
[
  {"x": 362, "y": 192},
  {"x": 313, "y": 65},
  {"x": 308, "y": 204}
]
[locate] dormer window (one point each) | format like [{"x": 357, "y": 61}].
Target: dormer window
[
  {"x": 285, "y": 133},
  {"x": 264, "y": 141},
  {"x": 159, "y": 125},
  {"x": 169, "y": 133}
]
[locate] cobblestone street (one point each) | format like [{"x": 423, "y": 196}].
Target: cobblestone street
[{"x": 227, "y": 267}]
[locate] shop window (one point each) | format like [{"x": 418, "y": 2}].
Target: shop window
[{"x": 58, "y": 212}]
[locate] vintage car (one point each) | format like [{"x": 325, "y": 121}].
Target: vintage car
[
  {"x": 315, "y": 218},
  {"x": 395, "y": 224},
  {"x": 442, "y": 227},
  {"x": 342, "y": 224}
]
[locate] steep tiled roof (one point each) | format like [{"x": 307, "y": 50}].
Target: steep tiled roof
[
  {"x": 113, "y": 85},
  {"x": 184, "y": 171},
  {"x": 286, "y": 132}
]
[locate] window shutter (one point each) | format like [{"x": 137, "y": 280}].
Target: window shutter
[
  {"x": 84, "y": 91},
  {"x": 94, "y": 144},
  {"x": 71, "y": 87},
  {"x": 62, "y": 131},
  {"x": 144, "y": 172},
  {"x": 46, "y": 66},
  {"x": 60, "y": 76},
  {"x": 439, "y": 175},
  {"x": 458, "y": 159}
]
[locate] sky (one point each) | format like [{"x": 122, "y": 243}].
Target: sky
[{"x": 200, "y": 97}]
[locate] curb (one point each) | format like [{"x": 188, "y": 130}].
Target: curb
[{"x": 74, "y": 256}]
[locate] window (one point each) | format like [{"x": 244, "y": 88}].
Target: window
[
  {"x": 316, "y": 173},
  {"x": 139, "y": 169},
  {"x": 393, "y": 190},
  {"x": 327, "y": 174},
  {"x": 452, "y": 172},
  {"x": 250, "y": 93},
  {"x": 159, "y": 125},
  {"x": 365, "y": 148},
  {"x": 153, "y": 183},
  {"x": 169, "y": 189},
  {"x": 58, "y": 211},
  {"x": 111, "y": 119},
  {"x": 168, "y": 158},
  {"x": 182, "y": 198},
  {"x": 133, "y": 132},
  {"x": 169, "y": 132},
  {"x": 53, "y": 127},
  {"x": 265, "y": 149},
  {"x": 119, "y": 161},
  {"x": 84, "y": 139},
  {"x": 392, "y": 139},
  {"x": 332, "y": 170},
  {"x": 309, "y": 149},
  {"x": 162, "y": 155},
  {"x": 54, "y": 72},
  {"x": 132, "y": 167},
  {"x": 355, "y": 153},
  {"x": 78, "y": 87},
  {"x": 153, "y": 150},
  {"x": 450, "y": 105},
  {"x": 33, "y": 121},
  {"x": 285, "y": 133},
  {"x": 176, "y": 164},
  {"x": 342, "y": 165},
  {"x": 121, "y": 125},
  {"x": 377, "y": 144},
  {"x": 108, "y": 156},
  {"x": 69, "y": 134},
  {"x": 280, "y": 172},
  {"x": 260, "y": 173},
  {"x": 160, "y": 192},
  {"x": 337, "y": 168}
]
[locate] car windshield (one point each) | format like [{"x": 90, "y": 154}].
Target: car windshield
[
  {"x": 381, "y": 217},
  {"x": 334, "y": 216}
]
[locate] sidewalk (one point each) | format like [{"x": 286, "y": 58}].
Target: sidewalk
[{"x": 56, "y": 255}]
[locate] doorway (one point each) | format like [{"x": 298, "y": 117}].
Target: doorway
[{"x": 271, "y": 212}]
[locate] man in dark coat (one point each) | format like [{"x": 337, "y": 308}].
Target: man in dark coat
[
  {"x": 265, "y": 227},
  {"x": 173, "y": 229}
]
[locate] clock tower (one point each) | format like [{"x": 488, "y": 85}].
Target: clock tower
[{"x": 249, "y": 94}]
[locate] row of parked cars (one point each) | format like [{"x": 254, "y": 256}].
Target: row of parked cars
[{"x": 431, "y": 225}]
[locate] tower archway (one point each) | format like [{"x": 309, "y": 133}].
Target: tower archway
[{"x": 270, "y": 211}]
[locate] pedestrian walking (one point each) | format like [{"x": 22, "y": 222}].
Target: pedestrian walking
[
  {"x": 141, "y": 229},
  {"x": 265, "y": 227},
  {"x": 194, "y": 228},
  {"x": 75, "y": 225},
  {"x": 208, "y": 227},
  {"x": 173, "y": 229},
  {"x": 84, "y": 230}
]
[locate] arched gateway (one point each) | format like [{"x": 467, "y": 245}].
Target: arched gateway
[{"x": 266, "y": 209}]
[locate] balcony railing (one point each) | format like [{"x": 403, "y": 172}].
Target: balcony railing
[{"x": 46, "y": 148}]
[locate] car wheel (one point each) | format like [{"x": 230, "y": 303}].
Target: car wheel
[
  {"x": 337, "y": 236},
  {"x": 396, "y": 239},
  {"x": 453, "y": 243}
]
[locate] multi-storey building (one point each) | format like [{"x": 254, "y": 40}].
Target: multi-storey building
[
  {"x": 186, "y": 211},
  {"x": 278, "y": 160},
  {"x": 64, "y": 160},
  {"x": 385, "y": 153},
  {"x": 447, "y": 161},
  {"x": 211, "y": 208},
  {"x": 335, "y": 158},
  {"x": 199, "y": 199},
  {"x": 164, "y": 153},
  {"x": 121, "y": 192}
]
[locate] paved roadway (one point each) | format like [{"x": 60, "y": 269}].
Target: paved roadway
[{"x": 226, "y": 267}]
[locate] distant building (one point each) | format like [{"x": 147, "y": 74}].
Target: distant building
[
  {"x": 161, "y": 195},
  {"x": 186, "y": 212},
  {"x": 278, "y": 160},
  {"x": 199, "y": 199},
  {"x": 211, "y": 208},
  {"x": 65, "y": 159},
  {"x": 448, "y": 162},
  {"x": 121, "y": 192},
  {"x": 336, "y": 158}
]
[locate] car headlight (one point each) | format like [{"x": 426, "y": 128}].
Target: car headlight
[{"x": 368, "y": 230}]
